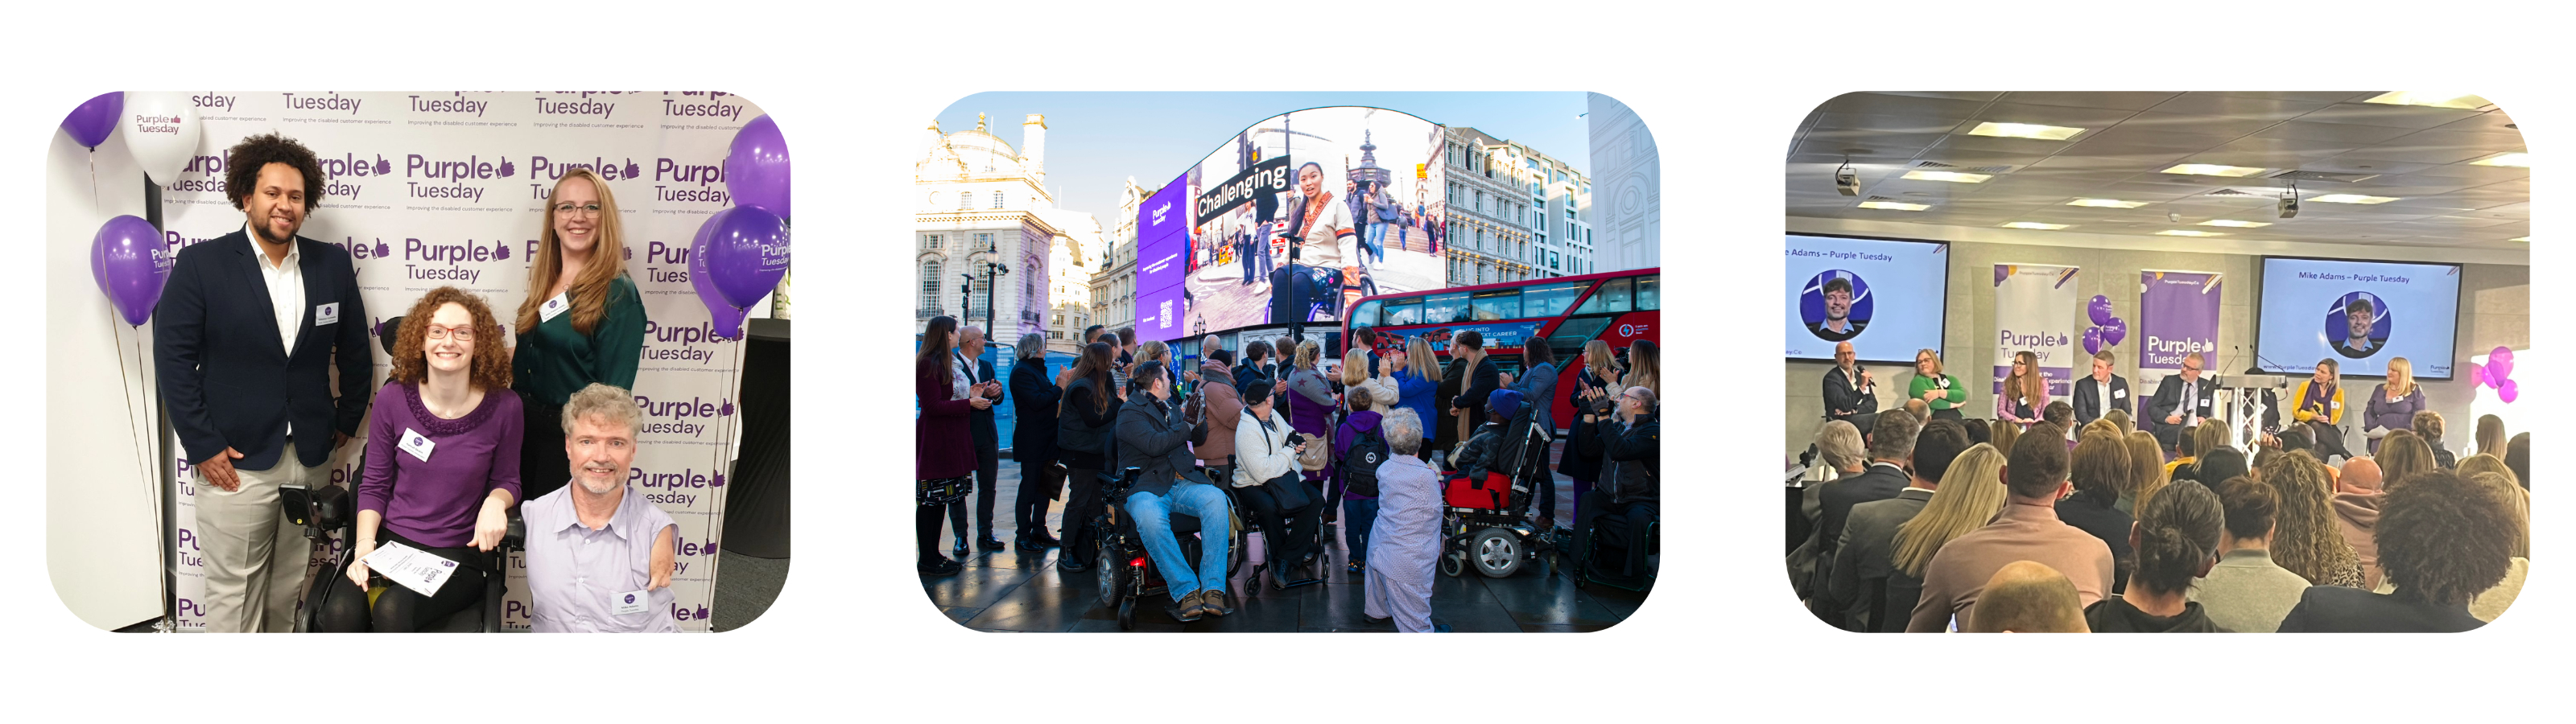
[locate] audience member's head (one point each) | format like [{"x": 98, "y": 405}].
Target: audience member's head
[
  {"x": 2005, "y": 435},
  {"x": 2037, "y": 467},
  {"x": 2250, "y": 510},
  {"x": 2490, "y": 434},
  {"x": 2059, "y": 413},
  {"x": 1839, "y": 443},
  {"x": 2361, "y": 475},
  {"x": 2219, "y": 464},
  {"x": 1979, "y": 433},
  {"x": 2210, "y": 438},
  {"x": 2027, "y": 597},
  {"x": 2514, "y": 497},
  {"x": 2146, "y": 465},
  {"x": 1934, "y": 448},
  {"x": 2121, "y": 418},
  {"x": 1971, "y": 493},
  {"x": 2443, "y": 539},
  {"x": 2428, "y": 425},
  {"x": 1892, "y": 439},
  {"x": 2103, "y": 424},
  {"x": 1255, "y": 351},
  {"x": 1403, "y": 431},
  {"x": 2307, "y": 540},
  {"x": 2402, "y": 455},
  {"x": 2187, "y": 443},
  {"x": 2176, "y": 538},
  {"x": 2517, "y": 455},
  {"x": 2099, "y": 465},
  {"x": 1918, "y": 408},
  {"x": 2484, "y": 463}
]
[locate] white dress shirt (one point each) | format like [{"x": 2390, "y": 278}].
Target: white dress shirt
[{"x": 285, "y": 291}]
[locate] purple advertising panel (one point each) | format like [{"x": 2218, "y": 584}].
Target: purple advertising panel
[
  {"x": 1162, "y": 263},
  {"x": 2177, "y": 315}
]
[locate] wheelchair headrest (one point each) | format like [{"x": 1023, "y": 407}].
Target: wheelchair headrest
[
  {"x": 333, "y": 507},
  {"x": 387, "y": 333}
]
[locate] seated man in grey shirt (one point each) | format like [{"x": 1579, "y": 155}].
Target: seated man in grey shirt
[{"x": 599, "y": 555}]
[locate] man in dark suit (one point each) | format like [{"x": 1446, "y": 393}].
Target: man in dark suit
[
  {"x": 2181, "y": 401},
  {"x": 245, "y": 338},
  {"x": 1891, "y": 445},
  {"x": 1867, "y": 549},
  {"x": 988, "y": 453},
  {"x": 1851, "y": 394},
  {"x": 2101, "y": 393}
]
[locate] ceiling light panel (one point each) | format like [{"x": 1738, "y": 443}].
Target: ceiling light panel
[
  {"x": 2351, "y": 199},
  {"x": 2212, "y": 169},
  {"x": 1894, "y": 205},
  {"x": 2037, "y": 225},
  {"x": 2436, "y": 99},
  {"x": 2108, "y": 203},
  {"x": 2024, "y": 130},
  {"x": 2187, "y": 232},
  {"x": 2234, "y": 224},
  {"x": 1950, "y": 176}
]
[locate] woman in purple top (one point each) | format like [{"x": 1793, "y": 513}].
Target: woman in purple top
[
  {"x": 1311, "y": 402},
  {"x": 2392, "y": 405},
  {"x": 442, "y": 463},
  {"x": 1359, "y": 496}
]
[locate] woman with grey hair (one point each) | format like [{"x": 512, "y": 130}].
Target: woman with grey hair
[
  {"x": 1404, "y": 543},
  {"x": 1034, "y": 394}
]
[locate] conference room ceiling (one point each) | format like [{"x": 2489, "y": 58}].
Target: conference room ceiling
[{"x": 2421, "y": 156}]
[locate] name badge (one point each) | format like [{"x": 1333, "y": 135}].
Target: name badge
[
  {"x": 2119, "y": 394},
  {"x": 629, "y": 602},
  {"x": 417, "y": 444},
  {"x": 546, "y": 312},
  {"x": 326, "y": 314},
  {"x": 1945, "y": 382}
]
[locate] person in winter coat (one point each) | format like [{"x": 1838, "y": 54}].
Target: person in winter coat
[
  {"x": 1417, "y": 381},
  {"x": 1616, "y": 514},
  {"x": 1382, "y": 388},
  {"x": 1537, "y": 384},
  {"x": 1034, "y": 397},
  {"x": 1154, "y": 434},
  {"x": 1359, "y": 474},
  {"x": 1224, "y": 408},
  {"x": 1582, "y": 460},
  {"x": 1404, "y": 542},
  {"x": 1086, "y": 418},
  {"x": 1266, "y": 478},
  {"x": 942, "y": 449}
]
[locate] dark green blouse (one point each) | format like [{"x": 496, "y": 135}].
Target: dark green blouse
[{"x": 553, "y": 360}]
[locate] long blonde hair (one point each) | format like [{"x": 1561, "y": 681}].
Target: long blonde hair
[
  {"x": 589, "y": 292},
  {"x": 2146, "y": 466},
  {"x": 2027, "y": 383},
  {"x": 2307, "y": 540},
  {"x": 2490, "y": 435},
  {"x": 1645, "y": 365},
  {"x": 1419, "y": 358},
  {"x": 1306, "y": 354},
  {"x": 2401, "y": 376},
  {"x": 1597, "y": 358},
  {"x": 1969, "y": 496},
  {"x": 1355, "y": 366}
]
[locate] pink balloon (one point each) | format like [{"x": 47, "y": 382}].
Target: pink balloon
[
  {"x": 2500, "y": 363},
  {"x": 2478, "y": 375},
  {"x": 2508, "y": 391}
]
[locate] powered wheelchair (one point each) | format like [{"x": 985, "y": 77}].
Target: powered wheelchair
[
  {"x": 1485, "y": 523},
  {"x": 1127, "y": 574}
]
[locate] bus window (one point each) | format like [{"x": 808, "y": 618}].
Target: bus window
[
  {"x": 1497, "y": 305},
  {"x": 1649, "y": 293},
  {"x": 1445, "y": 308},
  {"x": 1551, "y": 300},
  {"x": 1613, "y": 297},
  {"x": 1404, "y": 311},
  {"x": 1574, "y": 333},
  {"x": 1366, "y": 315}
]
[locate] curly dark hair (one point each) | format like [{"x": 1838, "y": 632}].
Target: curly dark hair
[
  {"x": 491, "y": 366},
  {"x": 2443, "y": 538},
  {"x": 241, "y": 173}
]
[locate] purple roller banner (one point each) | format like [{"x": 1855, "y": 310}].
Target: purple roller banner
[{"x": 2177, "y": 315}]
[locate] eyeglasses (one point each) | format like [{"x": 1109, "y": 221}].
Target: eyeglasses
[
  {"x": 2189, "y": 368},
  {"x": 463, "y": 332},
  {"x": 571, "y": 210}
]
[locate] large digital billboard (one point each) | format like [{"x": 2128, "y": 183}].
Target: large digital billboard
[
  {"x": 1162, "y": 262},
  {"x": 1300, "y": 215}
]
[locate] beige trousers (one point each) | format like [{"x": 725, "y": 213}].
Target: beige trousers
[{"x": 255, "y": 559}]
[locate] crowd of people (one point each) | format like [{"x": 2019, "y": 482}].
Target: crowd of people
[
  {"x": 247, "y": 336},
  {"x": 2059, "y": 517},
  {"x": 1295, "y": 443}
]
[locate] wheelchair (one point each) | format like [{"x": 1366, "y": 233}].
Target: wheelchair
[
  {"x": 1126, "y": 573},
  {"x": 1489, "y": 527},
  {"x": 1586, "y": 575}
]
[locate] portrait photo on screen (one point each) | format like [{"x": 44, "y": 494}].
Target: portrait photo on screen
[
  {"x": 1838, "y": 285},
  {"x": 2360, "y": 313}
]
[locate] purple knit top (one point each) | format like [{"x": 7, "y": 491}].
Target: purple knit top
[{"x": 434, "y": 502}]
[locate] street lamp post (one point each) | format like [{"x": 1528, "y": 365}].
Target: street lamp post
[{"x": 993, "y": 271}]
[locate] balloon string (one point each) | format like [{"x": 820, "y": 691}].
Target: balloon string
[{"x": 133, "y": 432}]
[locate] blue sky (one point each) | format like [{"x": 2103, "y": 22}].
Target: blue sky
[{"x": 1095, "y": 140}]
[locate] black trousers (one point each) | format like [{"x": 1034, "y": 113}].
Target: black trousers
[
  {"x": 1289, "y": 518},
  {"x": 1082, "y": 504},
  {"x": 1951, "y": 414},
  {"x": 399, "y": 609},
  {"x": 988, "y": 465},
  {"x": 1038, "y": 486},
  {"x": 1614, "y": 529},
  {"x": 925, "y": 531},
  {"x": 542, "y": 466}
]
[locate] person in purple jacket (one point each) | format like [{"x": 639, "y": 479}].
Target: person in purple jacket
[
  {"x": 442, "y": 463},
  {"x": 2392, "y": 405}
]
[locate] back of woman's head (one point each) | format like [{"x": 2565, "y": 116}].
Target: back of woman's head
[
  {"x": 1421, "y": 362},
  {"x": 2443, "y": 538},
  {"x": 2484, "y": 463},
  {"x": 2514, "y": 498},
  {"x": 2101, "y": 464},
  {"x": 2428, "y": 424},
  {"x": 1970, "y": 494},
  {"x": 1095, "y": 363},
  {"x": 2491, "y": 434},
  {"x": 1645, "y": 366},
  {"x": 2308, "y": 540},
  {"x": 2402, "y": 454},
  {"x": 2004, "y": 434},
  {"x": 2146, "y": 465},
  {"x": 1840, "y": 445},
  {"x": 2208, "y": 438},
  {"x": 2219, "y": 464},
  {"x": 1355, "y": 366},
  {"x": 2517, "y": 455},
  {"x": 2177, "y": 536},
  {"x": 1536, "y": 353},
  {"x": 1307, "y": 353},
  {"x": 2250, "y": 507},
  {"x": 2121, "y": 418}
]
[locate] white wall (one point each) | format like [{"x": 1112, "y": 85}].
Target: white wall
[{"x": 101, "y": 480}]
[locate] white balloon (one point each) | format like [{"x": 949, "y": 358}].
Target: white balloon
[{"x": 161, "y": 130}]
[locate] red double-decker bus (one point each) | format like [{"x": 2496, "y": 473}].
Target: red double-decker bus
[{"x": 1565, "y": 312}]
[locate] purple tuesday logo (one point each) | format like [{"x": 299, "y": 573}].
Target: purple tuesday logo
[
  {"x": 680, "y": 344},
  {"x": 176, "y": 241},
  {"x": 455, "y": 104},
  {"x": 684, "y": 613},
  {"x": 630, "y": 598},
  {"x": 454, "y": 172},
  {"x": 709, "y": 178},
  {"x": 548, "y": 169},
  {"x": 364, "y": 250},
  {"x": 330, "y": 103},
  {"x": 578, "y": 104},
  {"x": 427, "y": 261},
  {"x": 222, "y": 103},
  {"x": 686, "y": 549},
  {"x": 712, "y": 105},
  {"x": 673, "y": 261},
  {"x": 680, "y": 414},
  {"x": 676, "y": 484},
  {"x": 191, "y": 555}
]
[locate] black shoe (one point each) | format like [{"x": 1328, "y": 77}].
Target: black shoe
[
  {"x": 959, "y": 549},
  {"x": 1278, "y": 578},
  {"x": 1029, "y": 546},
  {"x": 1069, "y": 565},
  {"x": 989, "y": 544},
  {"x": 1187, "y": 609},
  {"x": 1046, "y": 541},
  {"x": 1376, "y": 621},
  {"x": 1356, "y": 567},
  {"x": 941, "y": 567},
  {"x": 1216, "y": 603}
]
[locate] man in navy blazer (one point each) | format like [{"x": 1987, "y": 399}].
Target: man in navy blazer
[
  {"x": 2181, "y": 400},
  {"x": 245, "y": 338},
  {"x": 2101, "y": 393}
]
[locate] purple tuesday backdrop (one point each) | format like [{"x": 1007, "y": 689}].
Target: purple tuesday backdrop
[
  {"x": 2177, "y": 315},
  {"x": 434, "y": 189},
  {"x": 2035, "y": 310},
  {"x": 1162, "y": 262}
]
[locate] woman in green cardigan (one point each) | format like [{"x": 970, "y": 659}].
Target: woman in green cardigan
[
  {"x": 583, "y": 321},
  {"x": 1942, "y": 392}
]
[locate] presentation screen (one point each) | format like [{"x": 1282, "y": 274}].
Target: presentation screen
[
  {"x": 1887, "y": 297},
  {"x": 2359, "y": 314},
  {"x": 1162, "y": 261}
]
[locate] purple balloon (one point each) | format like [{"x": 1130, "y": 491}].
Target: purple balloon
[
  {"x": 746, "y": 253},
  {"x": 90, "y": 123},
  {"x": 98, "y": 266},
  {"x": 136, "y": 265},
  {"x": 756, "y": 170},
  {"x": 2113, "y": 331},
  {"x": 2092, "y": 340},
  {"x": 2099, "y": 309},
  {"x": 2508, "y": 390},
  {"x": 2500, "y": 364},
  {"x": 726, "y": 318}
]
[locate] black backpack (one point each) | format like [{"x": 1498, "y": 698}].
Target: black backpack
[{"x": 1359, "y": 466}]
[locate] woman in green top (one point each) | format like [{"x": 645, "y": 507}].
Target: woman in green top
[
  {"x": 1942, "y": 392},
  {"x": 583, "y": 321}
]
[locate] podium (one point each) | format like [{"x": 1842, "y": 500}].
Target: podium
[{"x": 2242, "y": 399}]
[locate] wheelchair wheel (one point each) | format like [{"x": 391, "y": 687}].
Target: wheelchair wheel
[
  {"x": 1113, "y": 577},
  {"x": 1496, "y": 551},
  {"x": 1453, "y": 564}
]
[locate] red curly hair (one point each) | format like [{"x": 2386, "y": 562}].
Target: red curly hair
[{"x": 490, "y": 368}]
